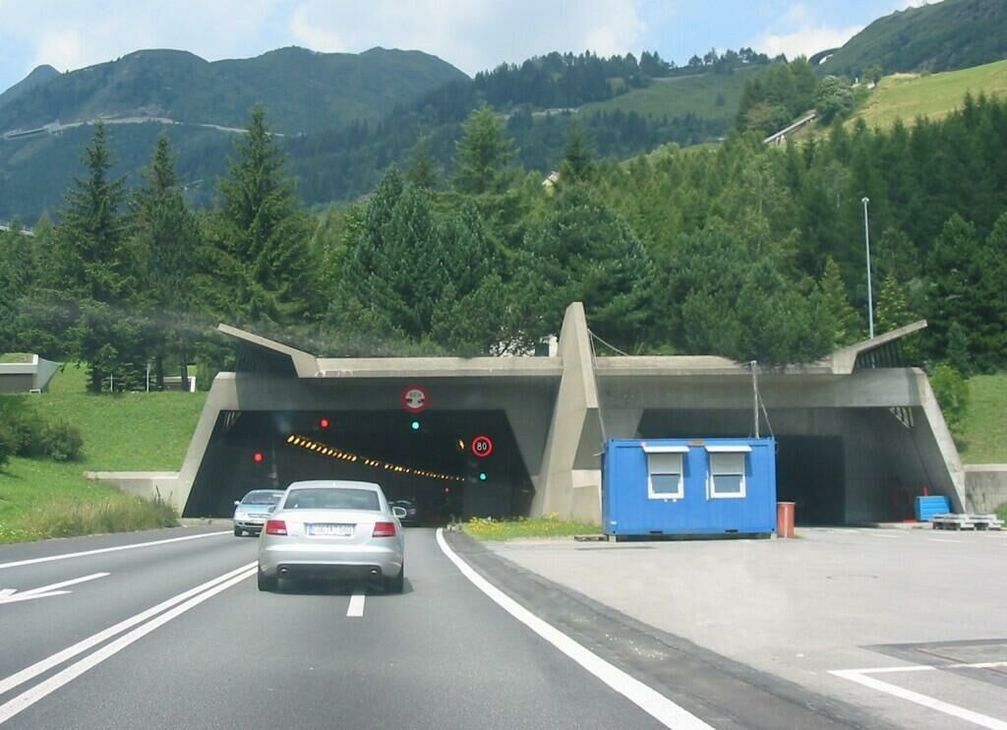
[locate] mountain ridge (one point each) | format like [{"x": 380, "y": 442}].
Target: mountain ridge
[{"x": 304, "y": 90}]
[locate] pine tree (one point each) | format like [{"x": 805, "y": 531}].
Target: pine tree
[
  {"x": 482, "y": 154},
  {"x": 98, "y": 269},
  {"x": 836, "y": 306},
  {"x": 260, "y": 241},
  {"x": 168, "y": 237},
  {"x": 578, "y": 158}
]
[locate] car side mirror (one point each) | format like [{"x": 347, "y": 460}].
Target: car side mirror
[
  {"x": 237, "y": 502},
  {"x": 399, "y": 512}
]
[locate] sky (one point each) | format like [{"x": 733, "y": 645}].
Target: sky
[{"x": 473, "y": 35}]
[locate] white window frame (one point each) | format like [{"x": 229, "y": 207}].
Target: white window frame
[
  {"x": 711, "y": 476},
  {"x": 665, "y": 452}
]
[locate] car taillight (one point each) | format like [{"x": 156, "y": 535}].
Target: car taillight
[
  {"x": 383, "y": 529},
  {"x": 276, "y": 527}
]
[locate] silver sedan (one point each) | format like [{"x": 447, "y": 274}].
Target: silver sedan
[
  {"x": 251, "y": 512},
  {"x": 332, "y": 529}
]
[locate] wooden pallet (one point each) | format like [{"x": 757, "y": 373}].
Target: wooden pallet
[{"x": 966, "y": 522}]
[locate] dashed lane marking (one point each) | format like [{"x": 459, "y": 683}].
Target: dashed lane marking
[{"x": 356, "y": 608}]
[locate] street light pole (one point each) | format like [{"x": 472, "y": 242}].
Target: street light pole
[{"x": 867, "y": 243}]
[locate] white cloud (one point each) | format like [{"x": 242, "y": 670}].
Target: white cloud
[
  {"x": 804, "y": 42},
  {"x": 72, "y": 35},
  {"x": 471, "y": 35}
]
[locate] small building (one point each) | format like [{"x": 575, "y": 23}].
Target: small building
[
  {"x": 679, "y": 486},
  {"x": 25, "y": 373}
]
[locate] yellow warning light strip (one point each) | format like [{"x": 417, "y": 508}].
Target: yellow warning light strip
[{"x": 307, "y": 444}]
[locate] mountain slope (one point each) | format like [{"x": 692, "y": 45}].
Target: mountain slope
[
  {"x": 39, "y": 76},
  {"x": 304, "y": 91},
  {"x": 944, "y": 36}
]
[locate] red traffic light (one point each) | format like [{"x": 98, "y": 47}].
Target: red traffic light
[
  {"x": 324, "y": 423},
  {"x": 258, "y": 457}
]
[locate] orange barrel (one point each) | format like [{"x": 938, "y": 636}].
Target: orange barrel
[{"x": 784, "y": 519}]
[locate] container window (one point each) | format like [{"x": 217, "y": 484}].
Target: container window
[
  {"x": 665, "y": 476},
  {"x": 727, "y": 476}
]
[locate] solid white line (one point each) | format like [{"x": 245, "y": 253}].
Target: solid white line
[
  {"x": 33, "y": 561},
  {"x": 926, "y": 667},
  {"x": 43, "y": 689},
  {"x": 356, "y": 609},
  {"x": 920, "y": 699},
  {"x": 644, "y": 697},
  {"x": 937, "y": 539},
  {"x": 28, "y": 673},
  {"x": 49, "y": 590},
  {"x": 887, "y": 537}
]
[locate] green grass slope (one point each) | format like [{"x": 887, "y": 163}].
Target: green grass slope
[
  {"x": 706, "y": 95},
  {"x": 983, "y": 433},
  {"x": 906, "y": 97},
  {"x": 132, "y": 431}
]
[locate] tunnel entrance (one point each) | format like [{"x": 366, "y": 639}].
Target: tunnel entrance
[
  {"x": 810, "y": 472},
  {"x": 429, "y": 458}
]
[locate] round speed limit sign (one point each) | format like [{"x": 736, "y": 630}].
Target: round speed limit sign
[{"x": 482, "y": 446}]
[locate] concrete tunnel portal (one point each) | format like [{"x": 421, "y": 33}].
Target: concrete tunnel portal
[
  {"x": 858, "y": 433},
  {"x": 438, "y": 459}
]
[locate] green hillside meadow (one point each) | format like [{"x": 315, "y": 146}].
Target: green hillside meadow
[
  {"x": 907, "y": 96},
  {"x": 131, "y": 431},
  {"x": 707, "y": 95}
]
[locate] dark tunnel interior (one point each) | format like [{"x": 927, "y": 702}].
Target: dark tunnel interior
[{"x": 428, "y": 457}]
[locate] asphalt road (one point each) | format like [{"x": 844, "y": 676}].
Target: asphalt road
[
  {"x": 166, "y": 629},
  {"x": 440, "y": 655}
]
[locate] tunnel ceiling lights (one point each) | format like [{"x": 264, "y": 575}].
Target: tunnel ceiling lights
[{"x": 333, "y": 453}]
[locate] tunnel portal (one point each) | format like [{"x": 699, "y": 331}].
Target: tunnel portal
[{"x": 427, "y": 457}]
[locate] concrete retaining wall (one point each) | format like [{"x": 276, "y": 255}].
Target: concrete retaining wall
[{"x": 985, "y": 487}]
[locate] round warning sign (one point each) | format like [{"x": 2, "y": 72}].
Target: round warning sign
[
  {"x": 415, "y": 399},
  {"x": 482, "y": 446}
]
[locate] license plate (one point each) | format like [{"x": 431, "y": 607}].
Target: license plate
[{"x": 329, "y": 530}]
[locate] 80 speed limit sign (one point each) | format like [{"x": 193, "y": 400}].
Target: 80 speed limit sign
[{"x": 482, "y": 446}]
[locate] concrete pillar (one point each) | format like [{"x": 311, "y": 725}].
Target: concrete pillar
[{"x": 569, "y": 483}]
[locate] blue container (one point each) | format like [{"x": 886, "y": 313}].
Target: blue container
[
  {"x": 654, "y": 487},
  {"x": 927, "y": 507}
]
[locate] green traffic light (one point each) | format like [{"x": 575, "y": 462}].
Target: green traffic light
[
  {"x": 482, "y": 476},
  {"x": 414, "y": 425}
]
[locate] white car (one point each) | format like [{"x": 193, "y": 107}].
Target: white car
[{"x": 331, "y": 530}]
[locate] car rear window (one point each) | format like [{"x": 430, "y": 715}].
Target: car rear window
[
  {"x": 262, "y": 497},
  {"x": 333, "y": 498}
]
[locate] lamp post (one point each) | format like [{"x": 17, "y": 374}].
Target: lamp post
[{"x": 867, "y": 243}]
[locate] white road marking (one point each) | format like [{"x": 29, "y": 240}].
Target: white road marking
[
  {"x": 887, "y": 537},
  {"x": 356, "y": 609},
  {"x": 644, "y": 697},
  {"x": 49, "y": 559},
  {"x": 43, "y": 689},
  {"x": 28, "y": 673},
  {"x": 937, "y": 539},
  {"x": 860, "y": 677},
  {"x": 6, "y": 596}
]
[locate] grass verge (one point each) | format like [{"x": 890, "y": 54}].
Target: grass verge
[
  {"x": 484, "y": 528},
  {"x": 128, "y": 431},
  {"x": 42, "y": 499},
  {"x": 983, "y": 430}
]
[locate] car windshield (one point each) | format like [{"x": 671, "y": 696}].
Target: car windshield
[
  {"x": 262, "y": 498},
  {"x": 333, "y": 498}
]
